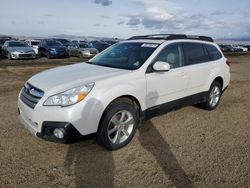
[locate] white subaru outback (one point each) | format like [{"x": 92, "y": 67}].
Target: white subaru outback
[{"x": 130, "y": 81}]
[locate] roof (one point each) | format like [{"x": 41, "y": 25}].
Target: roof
[{"x": 172, "y": 37}]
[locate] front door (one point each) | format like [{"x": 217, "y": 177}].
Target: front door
[{"x": 163, "y": 87}]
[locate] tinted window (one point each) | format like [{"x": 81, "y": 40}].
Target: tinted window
[
  {"x": 53, "y": 43},
  {"x": 18, "y": 44},
  {"x": 213, "y": 52},
  {"x": 171, "y": 55},
  {"x": 2, "y": 41},
  {"x": 129, "y": 55},
  {"x": 194, "y": 53},
  {"x": 34, "y": 43}
]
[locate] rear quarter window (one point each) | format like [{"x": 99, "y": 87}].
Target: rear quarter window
[
  {"x": 213, "y": 52},
  {"x": 194, "y": 53}
]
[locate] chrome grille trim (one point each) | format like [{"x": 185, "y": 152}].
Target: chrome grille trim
[{"x": 31, "y": 95}]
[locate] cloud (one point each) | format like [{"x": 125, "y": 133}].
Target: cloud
[
  {"x": 103, "y": 2},
  {"x": 49, "y": 15},
  {"x": 134, "y": 21},
  {"x": 219, "y": 13},
  {"x": 105, "y": 17},
  {"x": 97, "y": 25},
  {"x": 121, "y": 23},
  {"x": 163, "y": 15}
]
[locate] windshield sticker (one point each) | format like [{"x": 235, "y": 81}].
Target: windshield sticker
[{"x": 149, "y": 45}]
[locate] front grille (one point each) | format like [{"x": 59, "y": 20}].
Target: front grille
[
  {"x": 31, "y": 95},
  {"x": 25, "y": 55}
]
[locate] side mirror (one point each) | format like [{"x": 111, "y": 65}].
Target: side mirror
[{"x": 161, "y": 66}]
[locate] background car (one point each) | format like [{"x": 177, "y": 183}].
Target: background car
[
  {"x": 65, "y": 42},
  {"x": 227, "y": 48},
  {"x": 2, "y": 41},
  {"x": 78, "y": 41},
  {"x": 17, "y": 50},
  {"x": 82, "y": 50},
  {"x": 34, "y": 44},
  {"x": 52, "y": 49},
  {"x": 240, "y": 48},
  {"x": 100, "y": 46},
  {"x": 248, "y": 47}
]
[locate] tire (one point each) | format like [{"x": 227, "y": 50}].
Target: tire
[
  {"x": 80, "y": 55},
  {"x": 114, "y": 132},
  {"x": 9, "y": 56},
  {"x": 48, "y": 56},
  {"x": 213, "y": 96}
]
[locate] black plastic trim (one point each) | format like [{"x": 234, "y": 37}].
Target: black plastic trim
[
  {"x": 173, "y": 105},
  {"x": 172, "y": 37},
  {"x": 71, "y": 133}
]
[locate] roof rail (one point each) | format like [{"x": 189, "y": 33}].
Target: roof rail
[{"x": 172, "y": 37}]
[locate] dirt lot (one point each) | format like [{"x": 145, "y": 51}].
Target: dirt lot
[{"x": 186, "y": 148}]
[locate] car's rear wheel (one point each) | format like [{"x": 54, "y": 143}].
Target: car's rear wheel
[
  {"x": 213, "y": 96},
  {"x": 118, "y": 126}
]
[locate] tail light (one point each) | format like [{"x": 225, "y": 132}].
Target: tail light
[{"x": 228, "y": 63}]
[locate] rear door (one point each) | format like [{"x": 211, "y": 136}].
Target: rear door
[
  {"x": 163, "y": 87},
  {"x": 197, "y": 65}
]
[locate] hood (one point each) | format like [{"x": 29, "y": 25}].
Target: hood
[
  {"x": 60, "y": 79},
  {"x": 58, "y": 47},
  {"x": 21, "y": 49}
]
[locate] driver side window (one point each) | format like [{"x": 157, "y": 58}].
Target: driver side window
[{"x": 170, "y": 54}]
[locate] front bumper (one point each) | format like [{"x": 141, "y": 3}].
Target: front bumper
[
  {"x": 55, "y": 54},
  {"x": 23, "y": 55},
  {"x": 76, "y": 121},
  {"x": 70, "y": 132}
]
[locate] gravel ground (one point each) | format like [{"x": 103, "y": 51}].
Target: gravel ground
[{"x": 185, "y": 148}]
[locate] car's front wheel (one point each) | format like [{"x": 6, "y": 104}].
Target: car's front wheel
[
  {"x": 9, "y": 56},
  {"x": 213, "y": 96},
  {"x": 118, "y": 125}
]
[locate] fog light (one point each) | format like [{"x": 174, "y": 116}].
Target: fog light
[{"x": 58, "y": 133}]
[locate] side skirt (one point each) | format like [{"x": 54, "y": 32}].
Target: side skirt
[{"x": 173, "y": 105}]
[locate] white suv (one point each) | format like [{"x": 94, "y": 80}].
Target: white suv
[{"x": 130, "y": 81}]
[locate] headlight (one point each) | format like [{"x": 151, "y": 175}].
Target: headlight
[
  {"x": 86, "y": 52},
  {"x": 69, "y": 97},
  {"x": 52, "y": 49}
]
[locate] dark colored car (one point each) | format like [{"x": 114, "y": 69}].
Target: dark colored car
[
  {"x": 111, "y": 42},
  {"x": 227, "y": 48},
  {"x": 100, "y": 46},
  {"x": 52, "y": 49},
  {"x": 2, "y": 41},
  {"x": 64, "y": 42}
]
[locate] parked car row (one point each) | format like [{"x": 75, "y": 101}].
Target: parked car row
[
  {"x": 50, "y": 48},
  {"x": 233, "y": 48}
]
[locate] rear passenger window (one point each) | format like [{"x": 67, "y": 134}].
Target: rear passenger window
[
  {"x": 213, "y": 52},
  {"x": 194, "y": 53}
]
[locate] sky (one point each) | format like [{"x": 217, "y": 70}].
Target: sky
[{"x": 125, "y": 18}]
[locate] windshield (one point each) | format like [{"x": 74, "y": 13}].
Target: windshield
[
  {"x": 85, "y": 45},
  {"x": 130, "y": 56},
  {"x": 2, "y": 41},
  {"x": 53, "y": 43},
  {"x": 35, "y": 43},
  {"x": 18, "y": 44},
  {"x": 63, "y": 41}
]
